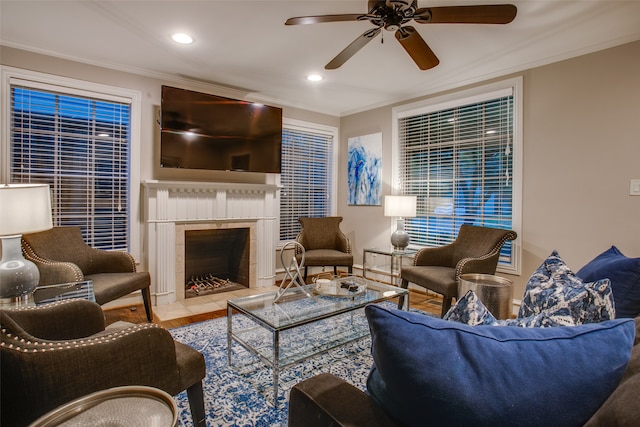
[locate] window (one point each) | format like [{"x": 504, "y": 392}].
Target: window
[
  {"x": 307, "y": 178},
  {"x": 461, "y": 157},
  {"x": 79, "y": 143}
]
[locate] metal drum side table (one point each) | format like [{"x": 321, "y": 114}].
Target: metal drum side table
[
  {"x": 128, "y": 406},
  {"x": 495, "y": 292}
]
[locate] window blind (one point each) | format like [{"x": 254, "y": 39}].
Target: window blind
[
  {"x": 306, "y": 178},
  {"x": 458, "y": 161},
  {"x": 80, "y": 147}
]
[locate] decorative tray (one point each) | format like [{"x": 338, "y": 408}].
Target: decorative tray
[{"x": 340, "y": 287}]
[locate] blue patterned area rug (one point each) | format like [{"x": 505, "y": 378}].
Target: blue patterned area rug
[{"x": 241, "y": 395}]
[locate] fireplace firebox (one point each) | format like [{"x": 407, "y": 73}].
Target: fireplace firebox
[{"x": 216, "y": 260}]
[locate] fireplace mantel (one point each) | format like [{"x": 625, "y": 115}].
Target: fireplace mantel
[{"x": 171, "y": 203}]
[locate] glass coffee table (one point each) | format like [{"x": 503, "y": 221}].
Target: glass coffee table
[{"x": 262, "y": 335}]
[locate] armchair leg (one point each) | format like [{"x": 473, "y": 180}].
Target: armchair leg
[
  {"x": 196, "y": 404},
  {"x": 146, "y": 298},
  {"x": 446, "y": 305},
  {"x": 305, "y": 273}
]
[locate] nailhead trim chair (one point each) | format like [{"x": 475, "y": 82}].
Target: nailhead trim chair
[
  {"x": 324, "y": 244},
  {"x": 55, "y": 353},
  {"x": 62, "y": 256},
  {"x": 475, "y": 250}
]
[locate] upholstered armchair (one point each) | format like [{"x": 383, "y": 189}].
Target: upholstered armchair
[
  {"x": 58, "y": 352},
  {"x": 62, "y": 256},
  {"x": 324, "y": 244},
  {"x": 475, "y": 250}
]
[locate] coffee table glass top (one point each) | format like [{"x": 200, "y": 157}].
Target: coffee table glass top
[{"x": 295, "y": 308}]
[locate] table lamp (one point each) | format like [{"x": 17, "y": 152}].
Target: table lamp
[
  {"x": 401, "y": 207},
  {"x": 24, "y": 208}
]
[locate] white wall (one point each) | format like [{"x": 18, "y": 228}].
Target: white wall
[{"x": 581, "y": 148}]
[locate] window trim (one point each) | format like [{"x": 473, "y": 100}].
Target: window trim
[
  {"x": 464, "y": 97},
  {"x": 332, "y": 131},
  {"x": 38, "y": 80}
]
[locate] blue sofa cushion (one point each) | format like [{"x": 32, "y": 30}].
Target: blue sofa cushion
[
  {"x": 624, "y": 274},
  {"x": 428, "y": 370},
  {"x": 553, "y": 286}
]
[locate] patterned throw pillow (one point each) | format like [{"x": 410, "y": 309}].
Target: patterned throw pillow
[
  {"x": 471, "y": 311},
  {"x": 553, "y": 286}
]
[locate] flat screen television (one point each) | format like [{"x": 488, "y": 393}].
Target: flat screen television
[{"x": 202, "y": 131}]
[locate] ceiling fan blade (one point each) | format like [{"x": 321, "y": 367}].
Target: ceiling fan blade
[
  {"x": 485, "y": 14},
  {"x": 300, "y": 20},
  {"x": 417, "y": 48},
  {"x": 353, "y": 48}
]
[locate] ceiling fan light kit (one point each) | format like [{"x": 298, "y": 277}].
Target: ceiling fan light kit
[{"x": 393, "y": 14}]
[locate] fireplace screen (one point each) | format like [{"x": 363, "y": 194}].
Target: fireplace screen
[{"x": 216, "y": 261}]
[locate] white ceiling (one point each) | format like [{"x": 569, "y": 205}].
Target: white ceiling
[{"x": 245, "y": 44}]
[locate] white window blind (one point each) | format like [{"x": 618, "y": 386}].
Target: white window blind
[
  {"x": 458, "y": 159},
  {"x": 306, "y": 178},
  {"x": 78, "y": 145}
]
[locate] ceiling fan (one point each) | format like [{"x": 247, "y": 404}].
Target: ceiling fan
[{"x": 392, "y": 14}]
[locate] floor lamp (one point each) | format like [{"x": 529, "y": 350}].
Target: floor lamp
[
  {"x": 401, "y": 207},
  {"x": 24, "y": 208}
]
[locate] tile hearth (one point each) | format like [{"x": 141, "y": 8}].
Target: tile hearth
[{"x": 203, "y": 304}]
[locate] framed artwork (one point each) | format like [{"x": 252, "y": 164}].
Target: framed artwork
[{"x": 365, "y": 170}]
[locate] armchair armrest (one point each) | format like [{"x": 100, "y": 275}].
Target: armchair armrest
[
  {"x": 52, "y": 272},
  {"x": 101, "y": 261},
  {"x": 326, "y": 400},
  {"x": 343, "y": 244},
  {"x": 62, "y": 320},
  {"x": 34, "y": 370},
  {"x": 485, "y": 264},
  {"x": 440, "y": 256}
]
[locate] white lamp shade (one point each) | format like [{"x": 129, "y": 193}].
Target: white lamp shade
[
  {"x": 400, "y": 206},
  {"x": 24, "y": 208}
]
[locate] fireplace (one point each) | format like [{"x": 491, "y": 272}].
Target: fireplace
[
  {"x": 174, "y": 208},
  {"x": 216, "y": 261}
]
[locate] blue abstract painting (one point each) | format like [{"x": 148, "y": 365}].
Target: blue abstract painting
[{"x": 365, "y": 169}]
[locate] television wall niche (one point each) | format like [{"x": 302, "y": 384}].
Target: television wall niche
[{"x": 209, "y": 132}]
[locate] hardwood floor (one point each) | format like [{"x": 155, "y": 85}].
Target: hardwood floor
[{"x": 430, "y": 303}]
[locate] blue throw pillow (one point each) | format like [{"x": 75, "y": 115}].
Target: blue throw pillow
[
  {"x": 428, "y": 370},
  {"x": 624, "y": 274},
  {"x": 553, "y": 286}
]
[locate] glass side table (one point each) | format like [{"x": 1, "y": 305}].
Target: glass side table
[
  {"x": 391, "y": 263},
  {"x": 57, "y": 292}
]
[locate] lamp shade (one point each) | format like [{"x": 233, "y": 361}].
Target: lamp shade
[
  {"x": 24, "y": 208},
  {"x": 400, "y": 206}
]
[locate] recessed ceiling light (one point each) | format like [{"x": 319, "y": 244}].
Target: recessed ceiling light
[
  {"x": 314, "y": 77},
  {"x": 182, "y": 38}
]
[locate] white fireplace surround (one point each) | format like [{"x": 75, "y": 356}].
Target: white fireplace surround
[{"x": 172, "y": 207}]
